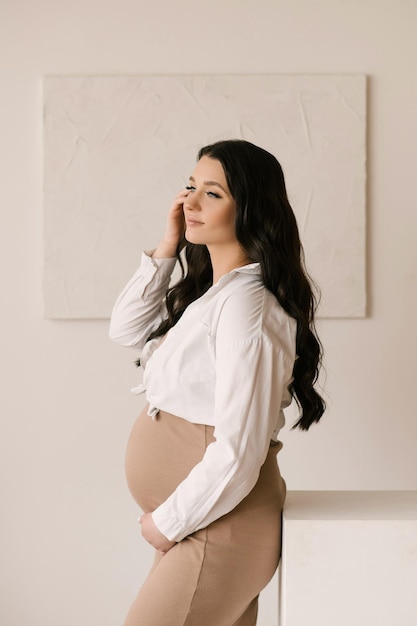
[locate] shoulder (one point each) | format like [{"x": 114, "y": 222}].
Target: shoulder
[
  {"x": 250, "y": 311},
  {"x": 244, "y": 295}
]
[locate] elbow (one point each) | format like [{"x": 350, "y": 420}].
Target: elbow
[
  {"x": 114, "y": 332},
  {"x": 126, "y": 337},
  {"x": 117, "y": 335}
]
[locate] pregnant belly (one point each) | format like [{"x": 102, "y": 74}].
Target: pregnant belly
[{"x": 160, "y": 454}]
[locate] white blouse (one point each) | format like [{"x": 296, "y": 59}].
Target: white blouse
[{"x": 227, "y": 363}]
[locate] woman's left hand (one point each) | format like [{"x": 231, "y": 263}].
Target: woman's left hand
[{"x": 153, "y": 536}]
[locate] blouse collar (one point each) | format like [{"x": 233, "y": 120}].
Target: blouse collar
[{"x": 250, "y": 268}]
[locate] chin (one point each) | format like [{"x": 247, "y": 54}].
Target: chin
[{"x": 192, "y": 238}]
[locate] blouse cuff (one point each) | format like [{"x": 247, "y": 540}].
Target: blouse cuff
[
  {"x": 150, "y": 270},
  {"x": 164, "y": 266},
  {"x": 171, "y": 528}
]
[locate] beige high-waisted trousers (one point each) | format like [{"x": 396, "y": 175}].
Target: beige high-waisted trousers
[{"x": 214, "y": 576}]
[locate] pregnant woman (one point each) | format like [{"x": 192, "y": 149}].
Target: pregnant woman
[{"x": 224, "y": 351}]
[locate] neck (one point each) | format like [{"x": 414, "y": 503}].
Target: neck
[{"x": 224, "y": 259}]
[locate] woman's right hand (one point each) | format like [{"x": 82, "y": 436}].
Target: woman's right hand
[{"x": 174, "y": 228}]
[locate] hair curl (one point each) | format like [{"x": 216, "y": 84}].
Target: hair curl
[{"x": 267, "y": 230}]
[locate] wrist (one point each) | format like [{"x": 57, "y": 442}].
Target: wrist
[{"x": 165, "y": 250}]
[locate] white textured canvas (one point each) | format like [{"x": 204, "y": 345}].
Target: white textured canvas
[{"x": 117, "y": 149}]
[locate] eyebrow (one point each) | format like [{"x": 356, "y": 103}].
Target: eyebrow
[{"x": 210, "y": 182}]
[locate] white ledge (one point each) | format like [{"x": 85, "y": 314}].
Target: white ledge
[
  {"x": 351, "y": 505},
  {"x": 349, "y": 558}
]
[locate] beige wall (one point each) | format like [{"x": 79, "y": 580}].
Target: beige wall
[{"x": 71, "y": 544}]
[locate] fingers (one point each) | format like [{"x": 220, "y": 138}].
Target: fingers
[{"x": 179, "y": 200}]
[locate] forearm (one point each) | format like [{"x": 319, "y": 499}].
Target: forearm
[{"x": 139, "y": 308}]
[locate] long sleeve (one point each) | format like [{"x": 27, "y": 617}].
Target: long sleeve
[
  {"x": 140, "y": 307},
  {"x": 253, "y": 370}
]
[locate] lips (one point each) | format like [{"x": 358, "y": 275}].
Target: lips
[{"x": 191, "y": 222}]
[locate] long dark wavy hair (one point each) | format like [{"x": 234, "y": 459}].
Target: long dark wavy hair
[{"x": 267, "y": 230}]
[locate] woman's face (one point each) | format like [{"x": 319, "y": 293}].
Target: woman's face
[{"x": 209, "y": 208}]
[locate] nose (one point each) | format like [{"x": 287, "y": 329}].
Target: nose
[{"x": 191, "y": 202}]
